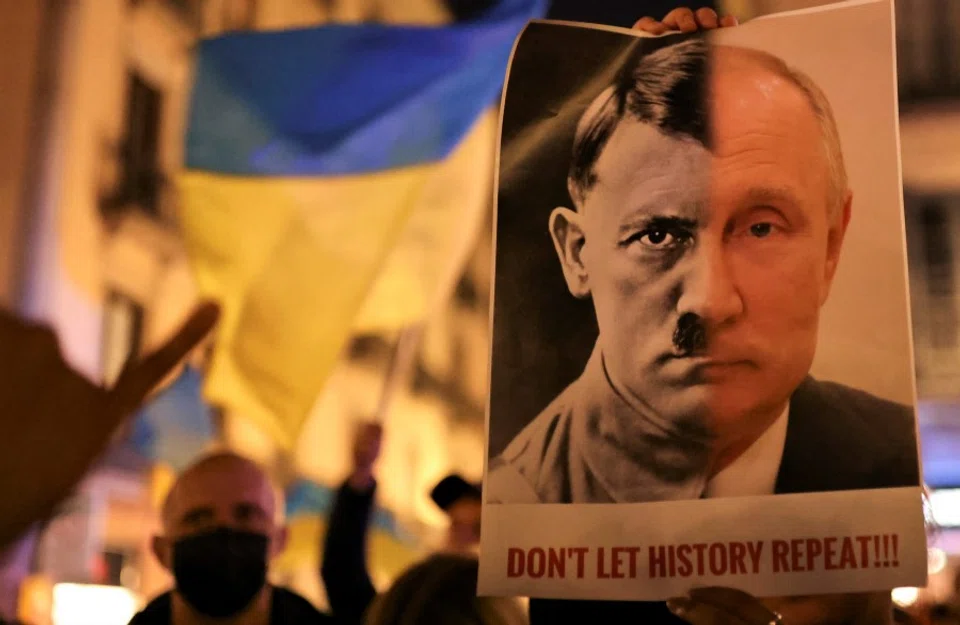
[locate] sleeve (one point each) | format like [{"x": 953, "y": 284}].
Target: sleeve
[{"x": 344, "y": 571}]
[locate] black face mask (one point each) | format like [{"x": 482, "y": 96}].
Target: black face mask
[{"x": 220, "y": 572}]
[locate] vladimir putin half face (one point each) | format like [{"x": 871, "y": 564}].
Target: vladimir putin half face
[{"x": 707, "y": 249}]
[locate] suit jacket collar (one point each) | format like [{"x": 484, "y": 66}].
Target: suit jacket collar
[{"x": 815, "y": 431}]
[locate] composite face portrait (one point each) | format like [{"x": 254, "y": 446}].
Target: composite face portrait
[
  {"x": 673, "y": 225},
  {"x": 707, "y": 288}
]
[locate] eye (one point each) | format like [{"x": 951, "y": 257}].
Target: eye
[
  {"x": 198, "y": 517},
  {"x": 248, "y": 513},
  {"x": 660, "y": 238},
  {"x": 761, "y": 230},
  {"x": 656, "y": 238}
]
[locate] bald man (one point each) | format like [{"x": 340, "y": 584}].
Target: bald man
[{"x": 222, "y": 524}]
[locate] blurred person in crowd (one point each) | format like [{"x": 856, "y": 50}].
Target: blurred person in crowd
[
  {"x": 462, "y": 502},
  {"x": 222, "y": 524},
  {"x": 442, "y": 590},
  {"x": 344, "y": 570}
]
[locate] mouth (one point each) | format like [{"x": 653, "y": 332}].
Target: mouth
[{"x": 700, "y": 369}]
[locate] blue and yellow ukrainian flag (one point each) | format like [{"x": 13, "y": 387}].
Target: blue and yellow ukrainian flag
[
  {"x": 308, "y": 508},
  {"x": 307, "y": 154},
  {"x": 176, "y": 426}
]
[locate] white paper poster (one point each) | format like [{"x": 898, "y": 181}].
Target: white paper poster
[{"x": 701, "y": 365}]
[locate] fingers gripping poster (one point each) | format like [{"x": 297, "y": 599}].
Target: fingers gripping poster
[{"x": 701, "y": 364}]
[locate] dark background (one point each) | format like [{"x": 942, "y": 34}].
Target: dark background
[
  {"x": 610, "y": 12},
  {"x": 542, "y": 336},
  {"x": 616, "y": 12}
]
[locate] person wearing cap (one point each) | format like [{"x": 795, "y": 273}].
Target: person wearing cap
[
  {"x": 461, "y": 501},
  {"x": 350, "y": 591}
]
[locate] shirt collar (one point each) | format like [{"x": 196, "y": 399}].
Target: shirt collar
[
  {"x": 628, "y": 475},
  {"x": 755, "y": 471}
]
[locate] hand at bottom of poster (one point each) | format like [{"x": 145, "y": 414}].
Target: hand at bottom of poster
[
  {"x": 728, "y": 606},
  {"x": 715, "y": 606}
]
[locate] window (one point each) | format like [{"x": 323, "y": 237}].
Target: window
[
  {"x": 122, "y": 334},
  {"x": 927, "y": 49},
  {"x": 940, "y": 274},
  {"x": 140, "y": 178}
]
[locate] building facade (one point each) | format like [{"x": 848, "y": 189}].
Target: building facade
[{"x": 89, "y": 244}]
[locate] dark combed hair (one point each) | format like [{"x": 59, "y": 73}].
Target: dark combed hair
[{"x": 666, "y": 88}]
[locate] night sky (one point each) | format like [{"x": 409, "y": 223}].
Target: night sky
[
  {"x": 617, "y": 12},
  {"x": 610, "y": 12}
]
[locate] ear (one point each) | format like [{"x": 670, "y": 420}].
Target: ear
[
  {"x": 279, "y": 541},
  {"x": 566, "y": 229},
  {"x": 162, "y": 551},
  {"x": 835, "y": 236}
]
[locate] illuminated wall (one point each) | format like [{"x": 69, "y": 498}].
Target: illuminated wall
[
  {"x": 22, "y": 27},
  {"x": 99, "y": 239}
]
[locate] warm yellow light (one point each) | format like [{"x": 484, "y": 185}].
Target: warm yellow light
[
  {"x": 36, "y": 599},
  {"x": 905, "y": 597},
  {"x": 936, "y": 560},
  {"x": 161, "y": 480},
  {"x": 86, "y": 604}
]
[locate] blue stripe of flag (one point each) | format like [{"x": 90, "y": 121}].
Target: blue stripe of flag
[
  {"x": 346, "y": 99},
  {"x": 305, "y": 498},
  {"x": 176, "y": 425}
]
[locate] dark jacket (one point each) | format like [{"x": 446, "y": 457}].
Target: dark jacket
[
  {"x": 344, "y": 569},
  {"x": 287, "y": 608}
]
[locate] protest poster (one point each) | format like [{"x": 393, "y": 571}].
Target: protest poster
[{"x": 702, "y": 369}]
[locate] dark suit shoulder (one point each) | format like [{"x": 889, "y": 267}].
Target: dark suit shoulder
[
  {"x": 885, "y": 425},
  {"x": 859, "y": 401},
  {"x": 842, "y": 438}
]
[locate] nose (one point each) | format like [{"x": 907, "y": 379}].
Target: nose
[{"x": 707, "y": 288}]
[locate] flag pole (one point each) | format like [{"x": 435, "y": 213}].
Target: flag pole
[{"x": 400, "y": 368}]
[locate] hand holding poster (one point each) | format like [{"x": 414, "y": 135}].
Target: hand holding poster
[{"x": 688, "y": 386}]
